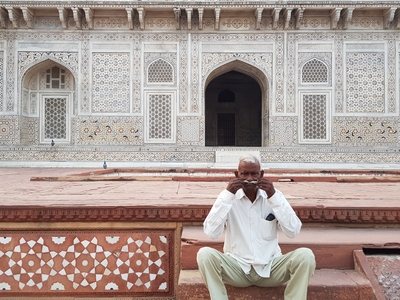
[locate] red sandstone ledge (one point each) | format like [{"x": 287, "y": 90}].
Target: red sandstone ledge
[
  {"x": 190, "y": 213},
  {"x": 275, "y": 175}
]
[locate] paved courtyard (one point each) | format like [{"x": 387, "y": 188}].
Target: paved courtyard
[{"x": 17, "y": 189}]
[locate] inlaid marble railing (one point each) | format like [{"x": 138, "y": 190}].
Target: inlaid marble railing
[
  {"x": 91, "y": 259},
  {"x": 127, "y": 252}
]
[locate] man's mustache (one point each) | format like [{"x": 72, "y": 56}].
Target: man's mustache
[{"x": 251, "y": 182}]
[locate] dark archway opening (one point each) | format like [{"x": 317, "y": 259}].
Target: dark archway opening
[{"x": 233, "y": 111}]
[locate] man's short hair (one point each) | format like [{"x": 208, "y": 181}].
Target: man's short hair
[{"x": 250, "y": 158}]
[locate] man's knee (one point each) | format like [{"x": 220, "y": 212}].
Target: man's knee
[
  {"x": 205, "y": 254},
  {"x": 305, "y": 256}
]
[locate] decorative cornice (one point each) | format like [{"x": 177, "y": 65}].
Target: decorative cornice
[
  {"x": 28, "y": 16},
  {"x": 85, "y": 11},
  {"x": 63, "y": 14},
  {"x": 14, "y": 16},
  {"x": 77, "y": 17},
  {"x": 388, "y": 17},
  {"x": 192, "y": 213},
  {"x": 205, "y": 4}
]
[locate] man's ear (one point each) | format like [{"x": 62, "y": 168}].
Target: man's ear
[
  {"x": 237, "y": 174},
  {"x": 261, "y": 173}
]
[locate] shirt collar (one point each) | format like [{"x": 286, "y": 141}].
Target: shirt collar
[{"x": 260, "y": 193}]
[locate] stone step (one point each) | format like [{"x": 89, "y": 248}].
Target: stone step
[
  {"x": 326, "y": 284},
  {"x": 333, "y": 247}
]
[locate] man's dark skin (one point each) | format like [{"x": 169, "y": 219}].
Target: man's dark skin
[{"x": 250, "y": 171}]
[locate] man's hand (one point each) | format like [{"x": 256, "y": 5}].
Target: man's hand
[
  {"x": 234, "y": 185},
  {"x": 267, "y": 186}
]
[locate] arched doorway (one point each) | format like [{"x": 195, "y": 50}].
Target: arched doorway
[{"x": 233, "y": 111}]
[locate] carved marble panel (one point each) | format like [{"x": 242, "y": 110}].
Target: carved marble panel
[
  {"x": 111, "y": 23},
  {"x": 27, "y": 59},
  {"x": 111, "y": 82},
  {"x": 238, "y": 24},
  {"x": 190, "y": 131},
  {"x": 365, "y": 82},
  {"x": 47, "y": 23},
  {"x": 9, "y": 129},
  {"x": 104, "y": 130},
  {"x": 363, "y": 131},
  {"x": 283, "y": 131}
]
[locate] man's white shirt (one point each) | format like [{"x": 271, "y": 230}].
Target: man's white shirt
[{"x": 249, "y": 237}]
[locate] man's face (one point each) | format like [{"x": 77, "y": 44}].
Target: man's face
[{"x": 250, "y": 173}]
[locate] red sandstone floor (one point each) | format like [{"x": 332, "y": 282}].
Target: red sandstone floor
[{"x": 17, "y": 189}]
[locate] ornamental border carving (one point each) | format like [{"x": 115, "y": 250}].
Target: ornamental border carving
[{"x": 189, "y": 214}]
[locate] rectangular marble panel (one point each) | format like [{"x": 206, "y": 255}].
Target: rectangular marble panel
[{"x": 134, "y": 263}]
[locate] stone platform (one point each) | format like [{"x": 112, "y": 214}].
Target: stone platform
[
  {"x": 325, "y": 284},
  {"x": 67, "y": 234},
  {"x": 333, "y": 247}
]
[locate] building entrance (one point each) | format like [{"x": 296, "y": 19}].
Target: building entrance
[{"x": 233, "y": 111}]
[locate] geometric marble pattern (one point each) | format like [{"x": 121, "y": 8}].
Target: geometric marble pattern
[
  {"x": 314, "y": 71},
  {"x": 308, "y": 62},
  {"x": 9, "y": 130},
  {"x": 111, "y": 87},
  {"x": 160, "y": 114},
  {"x": 160, "y": 71},
  {"x": 237, "y": 23},
  {"x": 115, "y": 153},
  {"x": 366, "y": 22},
  {"x": 160, "y": 68},
  {"x": 47, "y": 23},
  {"x": 365, "y": 82},
  {"x": 110, "y": 23},
  {"x": 283, "y": 131},
  {"x": 55, "y": 122},
  {"x": 314, "y": 111},
  {"x": 190, "y": 131},
  {"x": 136, "y": 262}
]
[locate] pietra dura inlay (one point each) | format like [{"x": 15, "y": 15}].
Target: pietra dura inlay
[{"x": 137, "y": 262}]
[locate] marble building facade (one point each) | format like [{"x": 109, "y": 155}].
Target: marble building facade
[{"x": 192, "y": 83}]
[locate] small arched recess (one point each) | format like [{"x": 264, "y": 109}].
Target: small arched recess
[{"x": 48, "y": 103}]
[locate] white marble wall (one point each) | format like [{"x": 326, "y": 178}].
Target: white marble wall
[{"x": 122, "y": 70}]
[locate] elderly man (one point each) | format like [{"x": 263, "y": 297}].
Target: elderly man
[{"x": 252, "y": 211}]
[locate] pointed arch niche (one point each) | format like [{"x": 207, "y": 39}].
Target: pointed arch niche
[
  {"x": 47, "y": 101},
  {"x": 236, "y": 106}
]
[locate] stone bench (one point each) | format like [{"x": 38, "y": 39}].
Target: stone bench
[
  {"x": 332, "y": 246},
  {"x": 342, "y": 269},
  {"x": 326, "y": 284}
]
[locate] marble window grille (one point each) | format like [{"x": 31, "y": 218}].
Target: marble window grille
[
  {"x": 160, "y": 117},
  {"x": 314, "y": 103},
  {"x": 55, "y": 110},
  {"x": 160, "y": 71},
  {"x": 55, "y": 119},
  {"x": 314, "y": 118},
  {"x": 314, "y": 71}
]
